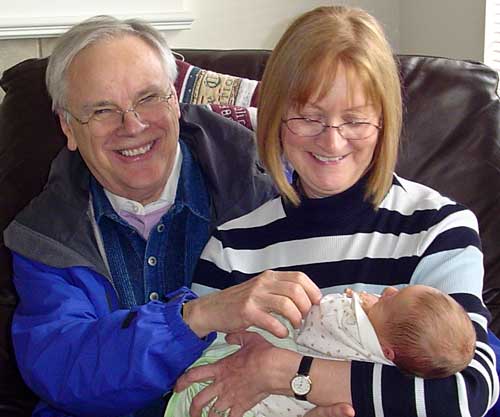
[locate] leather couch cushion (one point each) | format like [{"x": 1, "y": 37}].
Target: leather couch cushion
[{"x": 451, "y": 142}]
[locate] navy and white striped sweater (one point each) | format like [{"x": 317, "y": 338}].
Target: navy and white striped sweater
[{"x": 416, "y": 236}]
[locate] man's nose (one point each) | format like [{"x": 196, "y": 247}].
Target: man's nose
[{"x": 132, "y": 123}]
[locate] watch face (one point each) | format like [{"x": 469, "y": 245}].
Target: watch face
[{"x": 301, "y": 385}]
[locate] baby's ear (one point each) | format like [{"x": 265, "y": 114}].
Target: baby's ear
[{"x": 388, "y": 352}]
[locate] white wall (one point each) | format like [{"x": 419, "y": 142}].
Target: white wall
[
  {"x": 231, "y": 24},
  {"x": 26, "y": 9},
  {"x": 387, "y": 13},
  {"x": 259, "y": 23},
  {"x": 451, "y": 28}
]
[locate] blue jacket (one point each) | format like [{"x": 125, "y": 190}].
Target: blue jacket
[{"x": 75, "y": 348}]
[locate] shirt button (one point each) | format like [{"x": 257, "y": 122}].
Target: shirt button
[
  {"x": 160, "y": 228},
  {"x": 152, "y": 261},
  {"x": 154, "y": 296}
]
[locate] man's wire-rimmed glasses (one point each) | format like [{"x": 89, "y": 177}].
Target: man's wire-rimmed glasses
[
  {"x": 306, "y": 127},
  {"x": 104, "y": 120}
]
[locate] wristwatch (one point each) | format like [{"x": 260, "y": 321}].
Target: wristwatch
[{"x": 301, "y": 383}]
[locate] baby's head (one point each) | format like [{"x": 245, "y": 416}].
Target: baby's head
[{"x": 423, "y": 331}]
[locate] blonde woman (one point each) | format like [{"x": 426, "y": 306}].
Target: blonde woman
[{"x": 330, "y": 107}]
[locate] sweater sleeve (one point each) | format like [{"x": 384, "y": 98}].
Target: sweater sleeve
[
  {"x": 82, "y": 357},
  {"x": 445, "y": 253}
]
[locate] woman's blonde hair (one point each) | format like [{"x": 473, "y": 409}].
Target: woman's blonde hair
[{"x": 303, "y": 66}]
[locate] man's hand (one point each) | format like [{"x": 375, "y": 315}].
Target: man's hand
[
  {"x": 335, "y": 410},
  {"x": 250, "y": 303},
  {"x": 242, "y": 379}
]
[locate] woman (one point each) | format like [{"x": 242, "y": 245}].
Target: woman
[{"x": 330, "y": 107}]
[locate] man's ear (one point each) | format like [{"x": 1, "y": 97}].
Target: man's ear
[
  {"x": 175, "y": 101},
  {"x": 68, "y": 131},
  {"x": 388, "y": 352}
]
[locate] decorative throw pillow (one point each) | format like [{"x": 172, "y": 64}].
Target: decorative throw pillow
[
  {"x": 247, "y": 116},
  {"x": 230, "y": 96}
]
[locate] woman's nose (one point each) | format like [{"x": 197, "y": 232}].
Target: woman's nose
[{"x": 331, "y": 138}]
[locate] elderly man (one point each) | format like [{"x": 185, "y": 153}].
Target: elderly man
[{"x": 104, "y": 255}]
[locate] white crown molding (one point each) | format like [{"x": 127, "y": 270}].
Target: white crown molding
[{"x": 48, "y": 27}]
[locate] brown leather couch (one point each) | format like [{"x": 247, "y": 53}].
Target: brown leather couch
[{"x": 451, "y": 142}]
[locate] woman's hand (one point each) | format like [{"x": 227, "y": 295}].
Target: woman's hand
[
  {"x": 250, "y": 303},
  {"x": 242, "y": 379}
]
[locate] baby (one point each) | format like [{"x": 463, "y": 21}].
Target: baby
[{"x": 419, "y": 329}]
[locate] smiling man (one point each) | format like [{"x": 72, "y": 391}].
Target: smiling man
[
  {"x": 132, "y": 152},
  {"x": 104, "y": 255}
]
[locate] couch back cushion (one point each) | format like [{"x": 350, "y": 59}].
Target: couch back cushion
[
  {"x": 451, "y": 142},
  {"x": 451, "y": 137}
]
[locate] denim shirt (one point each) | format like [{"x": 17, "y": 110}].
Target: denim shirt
[{"x": 141, "y": 269}]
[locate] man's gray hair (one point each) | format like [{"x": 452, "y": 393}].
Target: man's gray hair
[{"x": 91, "y": 31}]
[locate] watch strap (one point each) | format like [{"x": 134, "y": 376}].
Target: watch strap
[{"x": 305, "y": 365}]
